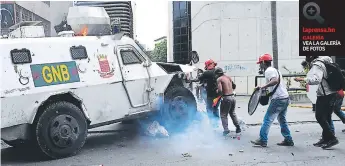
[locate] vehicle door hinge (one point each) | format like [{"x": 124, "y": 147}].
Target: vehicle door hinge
[{"x": 149, "y": 89}]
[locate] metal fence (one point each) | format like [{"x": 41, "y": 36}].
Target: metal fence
[{"x": 246, "y": 84}]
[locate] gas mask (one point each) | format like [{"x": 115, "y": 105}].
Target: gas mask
[{"x": 261, "y": 69}]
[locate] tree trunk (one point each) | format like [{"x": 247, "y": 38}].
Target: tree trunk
[{"x": 274, "y": 33}]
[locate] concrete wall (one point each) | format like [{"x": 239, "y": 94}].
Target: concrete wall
[{"x": 236, "y": 33}]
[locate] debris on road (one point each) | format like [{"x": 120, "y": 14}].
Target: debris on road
[
  {"x": 186, "y": 155},
  {"x": 155, "y": 129},
  {"x": 293, "y": 154},
  {"x": 297, "y": 131},
  {"x": 121, "y": 145}
]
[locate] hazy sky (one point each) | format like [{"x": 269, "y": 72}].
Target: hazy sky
[{"x": 151, "y": 21}]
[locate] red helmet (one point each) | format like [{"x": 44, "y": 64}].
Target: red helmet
[
  {"x": 209, "y": 62},
  {"x": 265, "y": 57}
]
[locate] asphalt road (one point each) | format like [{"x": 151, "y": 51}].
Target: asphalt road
[{"x": 200, "y": 145}]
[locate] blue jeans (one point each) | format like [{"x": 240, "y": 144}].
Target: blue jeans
[
  {"x": 337, "y": 110},
  {"x": 276, "y": 109}
]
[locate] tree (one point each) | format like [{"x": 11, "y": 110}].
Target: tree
[{"x": 159, "y": 54}]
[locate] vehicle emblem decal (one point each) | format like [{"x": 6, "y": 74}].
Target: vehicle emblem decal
[{"x": 105, "y": 70}]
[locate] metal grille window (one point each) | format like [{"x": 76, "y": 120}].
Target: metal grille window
[
  {"x": 78, "y": 52},
  {"x": 21, "y": 56},
  {"x": 129, "y": 57}
]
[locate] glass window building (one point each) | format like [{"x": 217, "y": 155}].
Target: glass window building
[{"x": 182, "y": 35}]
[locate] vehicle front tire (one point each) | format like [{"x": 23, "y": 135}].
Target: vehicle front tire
[
  {"x": 179, "y": 109},
  {"x": 61, "y": 130}
]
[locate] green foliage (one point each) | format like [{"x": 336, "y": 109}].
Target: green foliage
[{"x": 159, "y": 54}]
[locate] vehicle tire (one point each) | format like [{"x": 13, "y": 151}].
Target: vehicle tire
[
  {"x": 179, "y": 109},
  {"x": 61, "y": 130}
]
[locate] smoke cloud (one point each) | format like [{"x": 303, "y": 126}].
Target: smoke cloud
[{"x": 199, "y": 137}]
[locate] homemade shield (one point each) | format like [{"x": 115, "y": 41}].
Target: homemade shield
[{"x": 254, "y": 101}]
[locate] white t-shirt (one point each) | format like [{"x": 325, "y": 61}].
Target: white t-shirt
[{"x": 281, "y": 91}]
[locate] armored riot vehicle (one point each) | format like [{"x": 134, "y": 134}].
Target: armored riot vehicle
[{"x": 54, "y": 89}]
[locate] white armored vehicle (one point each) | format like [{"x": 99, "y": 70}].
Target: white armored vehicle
[{"x": 56, "y": 88}]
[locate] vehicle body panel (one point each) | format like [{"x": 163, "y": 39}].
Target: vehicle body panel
[{"x": 107, "y": 88}]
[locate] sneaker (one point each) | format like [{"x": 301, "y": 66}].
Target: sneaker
[
  {"x": 320, "y": 143},
  {"x": 330, "y": 143},
  {"x": 238, "y": 130},
  {"x": 225, "y": 133},
  {"x": 286, "y": 143},
  {"x": 259, "y": 143}
]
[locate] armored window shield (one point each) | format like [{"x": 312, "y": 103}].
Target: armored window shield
[
  {"x": 78, "y": 52},
  {"x": 129, "y": 57},
  {"x": 21, "y": 56}
]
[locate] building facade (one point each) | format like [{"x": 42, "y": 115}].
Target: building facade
[
  {"x": 49, "y": 13},
  {"x": 180, "y": 35},
  {"x": 236, "y": 33},
  {"x": 121, "y": 12}
]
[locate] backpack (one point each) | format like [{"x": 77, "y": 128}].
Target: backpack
[{"x": 335, "y": 79}]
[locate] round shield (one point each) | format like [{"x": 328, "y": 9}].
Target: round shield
[{"x": 254, "y": 101}]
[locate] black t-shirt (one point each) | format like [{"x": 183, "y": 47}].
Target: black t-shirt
[{"x": 209, "y": 78}]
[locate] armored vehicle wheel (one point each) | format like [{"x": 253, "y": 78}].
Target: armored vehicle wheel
[
  {"x": 179, "y": 109},
  {"x": 61, "y": 130}
]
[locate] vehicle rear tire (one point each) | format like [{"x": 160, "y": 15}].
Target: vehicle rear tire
[
  {"x": 61, "y": 130},
  {"x": 179, "y": 109}
]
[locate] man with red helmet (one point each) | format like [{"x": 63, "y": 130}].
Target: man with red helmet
[
  {"x": 279, "y": 97},
  {"x": 210, "y": 64},
  {"x": 209, "y": 77}
]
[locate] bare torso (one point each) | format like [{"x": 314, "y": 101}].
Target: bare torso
[{"x": 226, "y": 84}]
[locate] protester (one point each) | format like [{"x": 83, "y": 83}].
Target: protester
[
  {"x": 200, "y": 89},
  {"x": 337, "y": 108},
  {"x": 326, "y": 97},
  {"x": 306, "y": 67},
  {"x": 228, "y": 102},
  {"x": 279, "y": 97},
  {"x": 338, "y": 103},
  {"x": 209, "y": 77}
]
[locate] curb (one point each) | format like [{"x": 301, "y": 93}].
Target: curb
[{"x": 305, "y": 106}]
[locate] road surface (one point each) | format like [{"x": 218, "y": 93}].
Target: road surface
[{"x": 200, "y": 145}]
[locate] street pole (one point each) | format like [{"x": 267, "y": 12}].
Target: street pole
[{"x": 274, "y": 33}]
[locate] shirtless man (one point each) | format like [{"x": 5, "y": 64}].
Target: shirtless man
[{"x": 228, "y": 102}]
